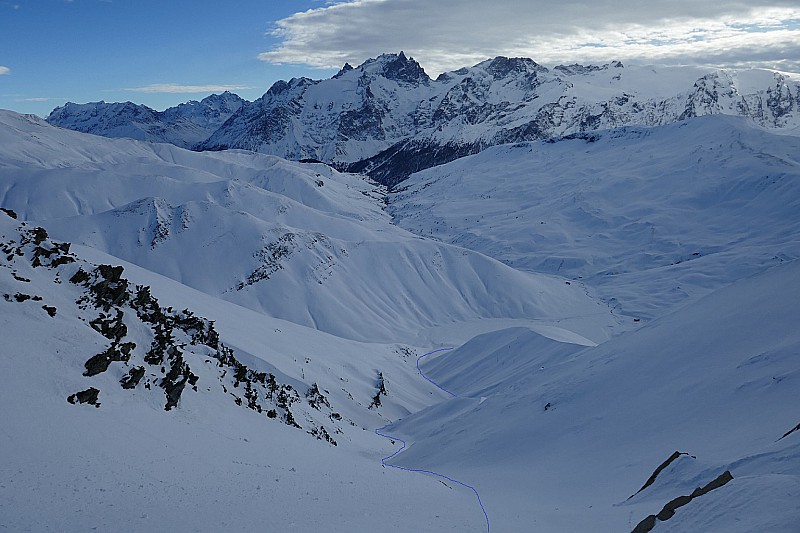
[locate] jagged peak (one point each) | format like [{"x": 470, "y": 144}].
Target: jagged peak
[
  {"x": 281, "y": 86},
  {"x": 225, "y": 95},
  {"x": 347, "y": 67},
  {"x": 396, "y": 67},
  {"x": 501, "y": 66},
  {"x": 576, "y": 68},
  {"x": 101, "y": 107}
]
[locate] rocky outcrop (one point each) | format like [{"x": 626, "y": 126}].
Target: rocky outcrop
[
  {"x": 179, "y": 344},
  {"x": 89, "y": 396},
  {"x": 671, "y": 459},
  {"x": 668, "y": 511}
]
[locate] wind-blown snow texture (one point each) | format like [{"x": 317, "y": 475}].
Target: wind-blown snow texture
[{"x": 207, "y": 340}]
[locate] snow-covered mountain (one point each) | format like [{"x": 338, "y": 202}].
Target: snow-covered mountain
[
  {"x": 210, "y": 340},
  {"x": 296, "y": 241},
  {"x": 184, "y": 125},
  {"x": 387, "y": 118},
  {"x": 648, "y": 217}
]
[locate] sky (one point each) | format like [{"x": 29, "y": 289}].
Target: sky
[{"x": 161, "y": 53}]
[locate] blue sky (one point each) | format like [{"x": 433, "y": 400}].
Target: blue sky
[
  {"x": 161, "y": 53},
  {"x": 89, "y": 50}
]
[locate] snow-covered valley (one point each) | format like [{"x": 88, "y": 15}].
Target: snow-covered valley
[{"x": 225, "y": 331}]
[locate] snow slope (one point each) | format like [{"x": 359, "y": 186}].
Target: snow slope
[
  {"x": 557, "y": 437},
  {"x": 648, "y": 217},
  {"x": 295, "y": 241},
  {"x": 210, "y": 463}
]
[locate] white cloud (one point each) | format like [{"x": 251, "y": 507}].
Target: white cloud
[
  {"x": 4, "y": 70},
  {"x": 448, "y": 34},
  {"x": 173, "y": 88}
]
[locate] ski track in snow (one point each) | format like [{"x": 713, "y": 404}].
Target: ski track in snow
[{"x": 403, "y": 447}]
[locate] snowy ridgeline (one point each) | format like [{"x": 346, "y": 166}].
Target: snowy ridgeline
[
  {"x": 184, "y": 125},
  {"x": 649, "y": 217},
  {"x": 235, "y": 314},
  {"x": 386, "y": 117}
]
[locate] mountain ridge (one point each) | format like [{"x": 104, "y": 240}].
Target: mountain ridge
[
  {"x": 387, "y": 118},
  {"x": 183, "y": 125}
]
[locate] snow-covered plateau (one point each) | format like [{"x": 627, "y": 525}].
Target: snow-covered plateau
[{"x": 209, "y": 340}]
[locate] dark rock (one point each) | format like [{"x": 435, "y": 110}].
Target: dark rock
[
  {"x": 405, "y": 69},
  {"x": 110, "y": 273},
  {"x": 9, "y": 212},
  {"x": 132, "y": 378},
  {"x": 111, "y": 328},
  {"x": 658, "y": 470},
  {"x": 344, "y": 70},
  {"x": 796, "y": 428},
  {"x": 100, "y": 362},
  {"x": 89, "y": 396},
  {"x": 645, "y": 525},
  {"x": 173, "y": 391},
  {"x": 315, "y": 397},
  {"x": 39, "y": 235},
  {"x": 501, "y": 67},
  {"x": 400, "y": 160},
  {"x": 81, "y": 276},
  {"x": 669, "y": 509},
  {"x": 322, "y": 434},
  {"x": 97, "y": 364},
  {"x": 50, "y": 310},
  {"x": 721, "y": 480}
]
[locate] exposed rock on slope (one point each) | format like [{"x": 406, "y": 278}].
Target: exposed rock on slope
[{"x": 150, "y": 348}]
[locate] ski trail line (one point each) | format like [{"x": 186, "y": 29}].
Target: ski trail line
[{"x": 418, "y": 470}]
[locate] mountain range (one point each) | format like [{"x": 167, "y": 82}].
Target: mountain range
[
  {"x": 387, "y": 118},
  {"x": 184, "y": 125}
]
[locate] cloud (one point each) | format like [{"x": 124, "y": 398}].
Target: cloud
[
  {"x": 448, "y": 34},
  {"x": 4, "y": 70},
  {"x": 173, "y": 88},
  {"x": 35, "y": 99}
]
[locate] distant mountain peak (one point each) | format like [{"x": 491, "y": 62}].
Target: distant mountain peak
[
  {"x": 387, "y": 118},
  {"x": 501, "y": 66},
  {"x": 576, "y": 68},
  {"x": 183, "y": 125},
  {"x": 396, "y": 67},
  {"x": 344, "y": 70}
]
